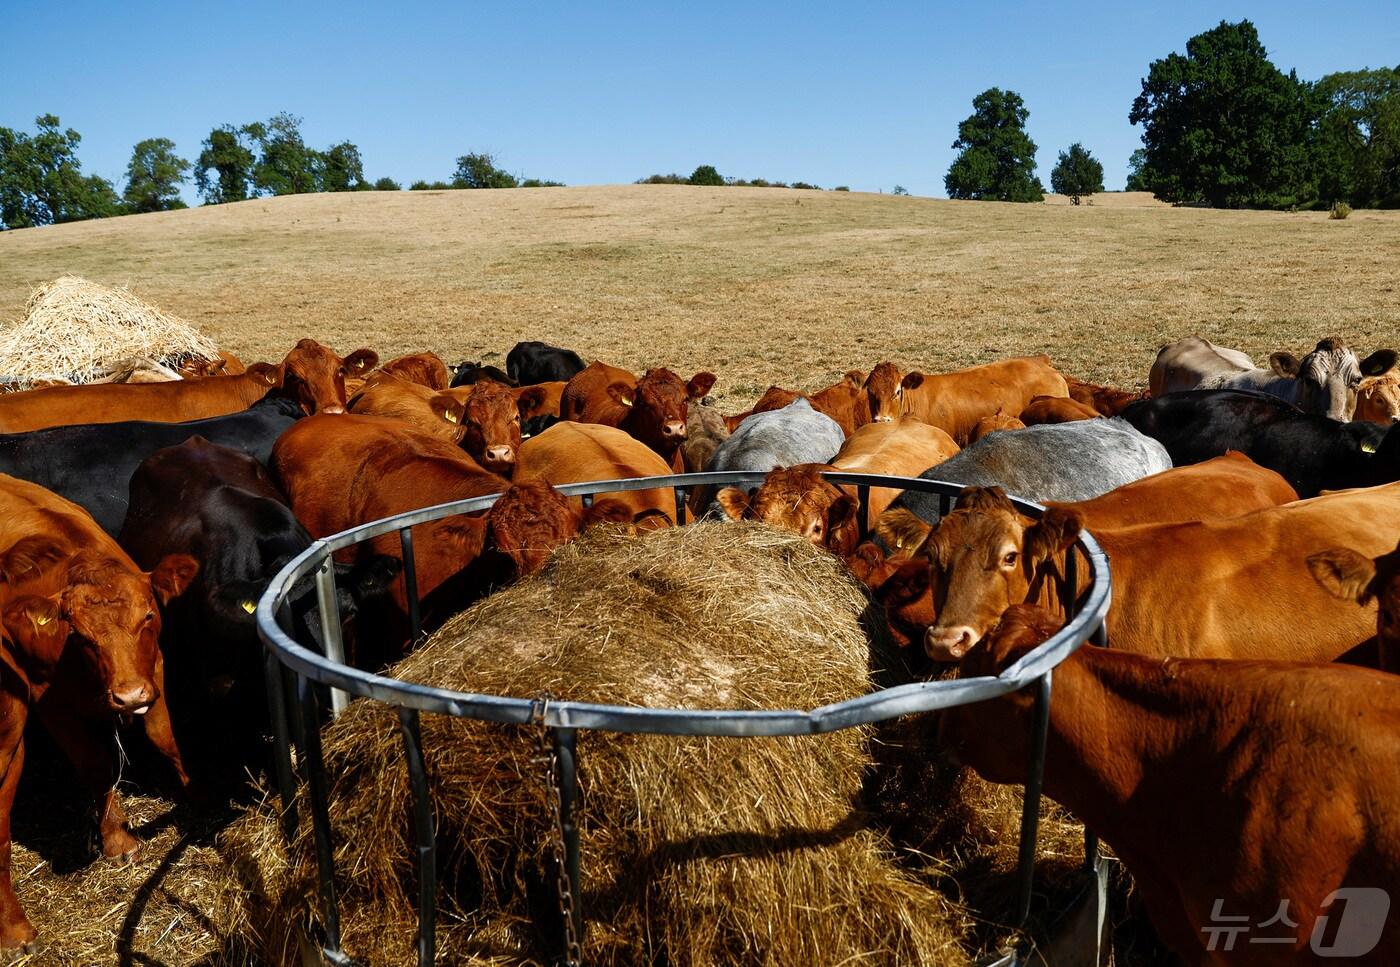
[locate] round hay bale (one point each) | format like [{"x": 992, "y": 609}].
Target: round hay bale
[
  {"x": 694, "y": 850},
  {"x": 75, "y": 331}
]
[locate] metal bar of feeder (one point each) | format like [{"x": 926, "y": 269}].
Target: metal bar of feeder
[
  {"x": 425, "y": 834},
  {"x": 566, "y": 755},
  {"x": 410, "y": 584},
  {"x": 281, "y": 744},
  {"x": 320, "y": 814},
  {"x": 331, "y": 642},
  {"x": 680, "y": 505},
  {"x": 1030, "y": 807}
]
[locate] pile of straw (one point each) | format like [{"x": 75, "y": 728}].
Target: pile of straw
[
  {"x": 77, "y": 331},
  {"x": 694, "y": 851}
]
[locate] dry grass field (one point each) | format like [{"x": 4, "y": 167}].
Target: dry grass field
[{"x": 758, "y": 285}]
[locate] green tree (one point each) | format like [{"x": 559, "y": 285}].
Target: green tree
[
  {"x": 285, "y": 165},
  {"x": 154, "y": 176},
  {"x": 41, "y": 180},
  {"x": 1358, "y": 138},
  {"x": 1223, "y": 125},
  {"x": 224, "y": 170},
  {"x": 479, "y": 170},
  {"x": 705, "y": 175},
  {"x": 1137, "y": 171},
  {"x": 540, "y": 183},
  {"x": 997, "y": 156},
  {"x": 1076, "y": 173},
  {"x": 342, "y": 169},
  {"x": 387, "y": 184}
]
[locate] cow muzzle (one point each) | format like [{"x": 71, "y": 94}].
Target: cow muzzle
[
  {"x": 132, "y": 699},
  {"x": 949, "y": 644},
  {"x": 499, "y": 457},
  {"x": 673, "y": 430},
  {"x": 332, "y": 408},
  {"x": 883, "y": 419}
]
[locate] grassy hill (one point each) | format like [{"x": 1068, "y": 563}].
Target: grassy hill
[{"x": 760, "y": 285}]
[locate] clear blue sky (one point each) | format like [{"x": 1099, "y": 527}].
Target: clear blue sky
[{"x": 867, "y": 95}]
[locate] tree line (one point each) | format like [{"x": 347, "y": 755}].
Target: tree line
[{"x": 1222, "y": 126}]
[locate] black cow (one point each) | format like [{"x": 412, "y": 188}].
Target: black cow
[
  {"x": 91, "y": 464},
  {"x": 468, "y": 372},
  {"x": 537, "y": 362},
  {"x": 220, "y": 507},
  {"x": 1310, "y": 451}
]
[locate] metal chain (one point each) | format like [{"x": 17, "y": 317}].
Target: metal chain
[{"x": 573, "y": 952}]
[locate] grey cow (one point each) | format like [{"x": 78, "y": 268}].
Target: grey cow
[
  {"x": 1325, "y": 381},
  {"x": 1052, "y": 461},
  {"x": 778, "y": 438}
]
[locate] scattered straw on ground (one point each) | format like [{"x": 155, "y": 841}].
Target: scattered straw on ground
[{"x": 76, "y": 330}]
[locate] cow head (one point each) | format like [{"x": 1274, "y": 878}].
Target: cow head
[
  {"x": 1330, "y": 376},
  {"x": 109, "y": 609},
  {"x": 1353, "y": 576},
  {"x": 798, "y": 499},
  {"x": 658, "y": 407},
  {"x": 491, "y": 426},
  {"x": 1378, "y": 399},
  {"x": 314, "y": 375},
  {"x": 425, "y": 369},
  {"x": 982, "y": 558},
  {"x": 531, "y": 519},
  {"x": 995, "y": 423},
  {"x": 900, "y": 586},
  {"x": 884, "y": 389}
]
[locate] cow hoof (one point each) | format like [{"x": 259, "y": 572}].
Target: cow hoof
[{"x": 13, "y": 950}]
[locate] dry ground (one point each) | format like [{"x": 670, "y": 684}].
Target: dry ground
[{"x": 759, "y": 285}]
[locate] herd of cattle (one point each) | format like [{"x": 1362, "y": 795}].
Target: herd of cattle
[{"x": 1235, "y": 765}]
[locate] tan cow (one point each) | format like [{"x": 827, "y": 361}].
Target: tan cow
[{"x": 955, "y": 402}]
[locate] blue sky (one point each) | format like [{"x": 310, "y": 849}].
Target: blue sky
[{"x": 866, "y": 95}]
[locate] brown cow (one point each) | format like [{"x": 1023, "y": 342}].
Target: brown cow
[
  {"x": 1253, "y": 797},
  {"x": 1235, "y": 588},
  {"x": 993, "y": 424},
  {"x": 1378, "y": 399},
  {"x": 652, "y": 409},
  {"x": 846, "y": 402},
  {"x": 705, "y": 429},
  {"x": 1105, "y": 400},
  {"x": 311, "y": 374},
  {"x": 539, "y": 399},
  {"x": 1056, "y": 409},
  {"x": 773, "y": 398},
  {"x": 956, "y": 401},
  {"x": 798, "y": 499},
  {"x": 1351, "y": 576},
  {"x": 426, "y": 369},
  {"x": 79, "y": 632},
  {"x": 579, "y": 452},
  {"x": 483, "y": 417},
  {"x": 197, "y": 367}
]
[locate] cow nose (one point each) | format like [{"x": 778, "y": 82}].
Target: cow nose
[
  {"x": 949, "y": 644},
  {"x": 132, "y": 699},
  {"x": 502, "y": 455},
  {"x": 884, "y": 419},
  {"x": 333, "y": 408},
  {"x": 673, "y": 430}
]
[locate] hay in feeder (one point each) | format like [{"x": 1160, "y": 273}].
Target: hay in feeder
[
  {"x": 77, "y": 331},
  {"x": 694, "y": 850}
]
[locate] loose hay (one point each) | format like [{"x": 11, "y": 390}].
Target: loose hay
[
  {"x": 76, "y": 331},
  {"x": 694, "y": 850}
]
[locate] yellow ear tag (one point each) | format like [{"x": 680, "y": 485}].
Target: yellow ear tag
[
  {"x": 449, "y": 416},
  {"x": 43, "y": 620},
  {"x": 248, "y": 606},
  {"x": 626, "y": 401},
  {"x": 1368, "y": 448}
]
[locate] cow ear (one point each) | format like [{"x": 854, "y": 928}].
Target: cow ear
[
  {"x": 530, "y": 398},
  {"x": 266, "y": 373},
  {"x": 607, "y": 510},
  {"x": 172, "y": 576},
  {"x": 855, "y": 377},
  {"x": 842, "y": 525},
  {"x": 446, "y": 407},
  {"x": 700, "y": 385},
  {"x": 1344, "y": 573},
  {"x": 1285, "y": 364},
  {"x": 1380, "y": 361},
  {"x": 32, "y": 620},
  {"x": 912, "y": 381},
  {"x": 466, "y": 533},
  {"x": 909, "y": 583},
  {"x": 361, "y": 361},
  {"x": 622, "y": 393},
  {"x": 902, "y": 530},
  {"x": 1053, "y": 533},
  {"x": 733, "y": 501},
  {"x": 29, "y": 557}
]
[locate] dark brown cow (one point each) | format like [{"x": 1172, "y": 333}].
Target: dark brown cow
[
  {"x": 79, "y": 626},
  {"x": 1254, "y": 794},
  {"x": 955, "y": 402},
  {"x": 539, "y": 399},
  {"x": 311, "y": 374},
  {"x": 1056, "y": 409},
  {"x": 652, "y": 409},
  {"x": 1106, "y": 400}
]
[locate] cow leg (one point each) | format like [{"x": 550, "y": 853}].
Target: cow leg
[
  {"x": 93, "y": 755},
  {"x": 15, "y": 929}
]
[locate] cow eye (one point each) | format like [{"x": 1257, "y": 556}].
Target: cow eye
[
  {"x": 150, "y": 616},
  {"x": 1009, "y": 560},
  {"x": 342, "y": 371},
  {"x": 817, "y": 527}
]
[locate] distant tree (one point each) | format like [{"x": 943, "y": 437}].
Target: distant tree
[
  {"x": 224, "y": 170},
  {"x": 341, "y": 168},
  {"x": 671, "y": 179},
  {"x": 41, "y": 180},
  {"x": 1223, "y": 125},
  {"x": 899, "y": 190},
  {"x": 806, "y": 186},
  {"x": 997, "y": 156},
  {"x": 421, "y": 185},
  {"x": 540, "y": 183},
  {"x": 705, "y": 175},
  {"x": 387, "y": 184},
  {"x": 1137, "y": 171},
  {"x": 1076, "y": 173},
  {"x": 154, "y": 176},
  {"x": 841, "y": 188},
  {"x": 479, "y": 171},
  {"x": 1358, "y": 137},
  {"x": 285, "y": 166}
]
